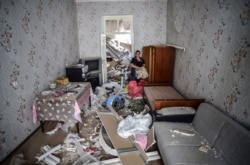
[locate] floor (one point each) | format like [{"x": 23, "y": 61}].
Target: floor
[
  {"x": 32, "y": 147},
  {"x": 89, "y": 131}
]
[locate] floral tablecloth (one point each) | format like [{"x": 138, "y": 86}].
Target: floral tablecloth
[{"x": 63, "y": 103}]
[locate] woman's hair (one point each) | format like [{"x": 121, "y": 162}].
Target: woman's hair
[{"x": 137, "y": 51}]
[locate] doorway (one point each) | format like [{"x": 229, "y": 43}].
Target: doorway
[{"x": 117, "y": 44}]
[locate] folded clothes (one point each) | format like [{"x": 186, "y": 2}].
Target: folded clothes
[{"x": 141, "y": 73}]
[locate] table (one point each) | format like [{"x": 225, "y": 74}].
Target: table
[{"x": 62, "y": 103}]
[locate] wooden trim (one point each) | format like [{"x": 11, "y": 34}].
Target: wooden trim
[
  {"x": 178, "y": 102},
  {"x": 157, "y": 84}
]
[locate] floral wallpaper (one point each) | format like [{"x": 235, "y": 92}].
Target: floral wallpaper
[
  {"x": 215, "y": 65},
  {"x": 149, "y": 23},
  {"x": 38, "y": 38}
]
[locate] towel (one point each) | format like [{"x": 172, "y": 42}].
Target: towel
[{"x": 141, "y": 73}]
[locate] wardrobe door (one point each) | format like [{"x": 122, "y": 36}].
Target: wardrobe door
[
  {"x": 148, "y": 57},
  {"x": 163, "y": 65},
  {"x": 159, "y": 62}
]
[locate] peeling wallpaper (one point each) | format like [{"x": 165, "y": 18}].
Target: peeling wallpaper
[
  {"x": 215, "y": 65},
  {"x": 149, "y": 23},
  {"x": 37, "y": 40}
]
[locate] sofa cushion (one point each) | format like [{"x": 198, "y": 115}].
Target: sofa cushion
[
  {"x": 166, "y": 137},
  {"x": 208, "y": 121},
  {"x": 190, "y": 155},
  {"x": 233, "y": 143},
  {"x": 226, "y": 141}
]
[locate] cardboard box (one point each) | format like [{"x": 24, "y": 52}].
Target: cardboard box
[{"x": 128, "y": 151}]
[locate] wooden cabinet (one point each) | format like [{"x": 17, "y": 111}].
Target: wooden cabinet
[{"x": 159, "y": 62}]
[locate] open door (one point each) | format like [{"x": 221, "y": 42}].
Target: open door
[
  {"x": 117, "y": 44},
  {"x": 104, "y": 58}
]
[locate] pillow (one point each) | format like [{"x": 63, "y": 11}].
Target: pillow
[{"x": 168, "y": 111}]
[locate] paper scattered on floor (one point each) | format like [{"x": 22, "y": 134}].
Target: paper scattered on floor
[
  {"x": 59, "y": 125},
  {"x": 85, "y": 147},
  {"x": 48, "y": 156}
]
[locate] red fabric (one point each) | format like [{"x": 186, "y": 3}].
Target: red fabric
[
  {"x": 136, "y": 89},
  {"x": 142, "y": 140},
  {"x": 142, "y": 82}
]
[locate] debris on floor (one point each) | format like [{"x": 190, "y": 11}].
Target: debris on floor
[
  {"x": 47, "y": 156},
  {"x": 76, "y": 148},
  {"x": 18, "y": 159},
  {"x": 136, "y": 124},
  {"x": 85, "y": 159},
  {"x": 59, "y": 125},
  {"x": 86, "y": 147}
]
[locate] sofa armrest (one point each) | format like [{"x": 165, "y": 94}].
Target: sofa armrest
[{"x": 178, "y": 102}]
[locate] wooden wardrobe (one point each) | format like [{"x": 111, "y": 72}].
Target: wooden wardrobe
[{"x": 159, "y": 62}]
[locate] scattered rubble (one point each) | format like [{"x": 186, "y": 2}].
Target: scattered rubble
[{"x": 86, "y": 147}]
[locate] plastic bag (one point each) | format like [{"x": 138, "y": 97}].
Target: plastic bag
[
  {"x": 141, "y": 83},
  {"x": 138, "y": 124},
  {"x": 134, "y": 90}
]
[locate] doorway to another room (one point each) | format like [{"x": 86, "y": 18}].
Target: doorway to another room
[{"x": 117, "y": 45}]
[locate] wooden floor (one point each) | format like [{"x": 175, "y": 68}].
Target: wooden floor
[{"x": 32, "y": 146}]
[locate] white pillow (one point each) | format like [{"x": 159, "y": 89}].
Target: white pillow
[{"x": 176, "y": 111}]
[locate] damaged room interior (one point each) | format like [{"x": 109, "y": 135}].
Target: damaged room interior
[{"x": 157, "y": 82}]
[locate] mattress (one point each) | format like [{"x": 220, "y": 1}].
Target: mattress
[{"x": 153, "y": 93}]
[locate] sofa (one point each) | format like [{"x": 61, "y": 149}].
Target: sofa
[{"x": 211, "y": 138}]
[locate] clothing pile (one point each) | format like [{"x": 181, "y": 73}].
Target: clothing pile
[{"x": 141, "y": 73}]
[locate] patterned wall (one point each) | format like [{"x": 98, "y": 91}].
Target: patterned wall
[
  {"x": 215, "y": 65},
  {"x": 37, "y": 39},
  {"x": 149, "y": 23}
]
